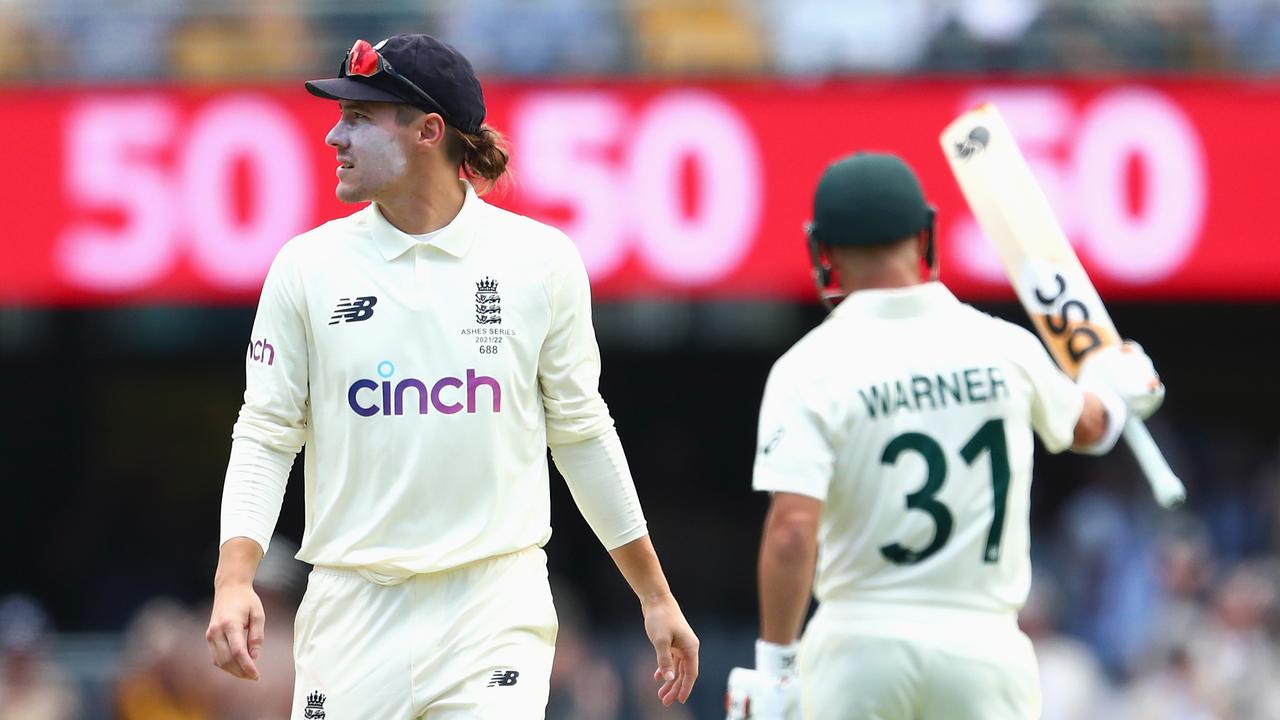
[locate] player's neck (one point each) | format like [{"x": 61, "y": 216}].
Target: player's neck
[
  {"x": 880, "y": 277},
  {"x": 425, "y": 206}
]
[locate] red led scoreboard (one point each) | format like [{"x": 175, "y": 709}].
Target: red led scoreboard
[{"x": 177, "y": 195}]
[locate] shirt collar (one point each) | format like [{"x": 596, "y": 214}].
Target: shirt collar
[
  {"x": 896, "y": 303},
  {"x": 454, "y": 238}
]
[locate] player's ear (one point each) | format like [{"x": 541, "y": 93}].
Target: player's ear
[
  {"x": 929, "y": 246},
  {"x": 923, "y": 241},
  {"x": 430, "y": 130},
  {"x": 826, "y": 265}
]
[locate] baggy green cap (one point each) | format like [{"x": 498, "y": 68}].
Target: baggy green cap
[{"x": 868, "y": 199}]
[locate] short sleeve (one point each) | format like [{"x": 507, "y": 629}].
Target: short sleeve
[
  {"x": 793, "y": 451},
  {"x": 1056, "y": 401}
]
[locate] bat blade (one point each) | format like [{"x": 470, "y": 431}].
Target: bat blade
[
  {"x": 1016, "y": 216},
  {"x": 1044, "y": 270}
]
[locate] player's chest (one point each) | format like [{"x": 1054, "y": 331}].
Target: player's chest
[{"x": 441, "y": 315}]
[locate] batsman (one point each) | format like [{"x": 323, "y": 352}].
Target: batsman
[{"x": 896, "y": 441}]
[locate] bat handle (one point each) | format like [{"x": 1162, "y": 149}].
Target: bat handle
[{"x": 1165, "y": 485}]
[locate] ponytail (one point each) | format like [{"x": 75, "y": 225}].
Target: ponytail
[{"x": 482, "y": 156}]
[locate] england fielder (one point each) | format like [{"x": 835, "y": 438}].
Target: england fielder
[
  {"x": 896, "y": 439},
  {"x": 426, "y": 350}
]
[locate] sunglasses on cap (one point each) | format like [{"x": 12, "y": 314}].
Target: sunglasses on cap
[{"x": 364, "y": 60}]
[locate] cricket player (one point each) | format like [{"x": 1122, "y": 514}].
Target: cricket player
[
  {"x": 896, "y": 440},
  {"x": 426, "y": 350}
]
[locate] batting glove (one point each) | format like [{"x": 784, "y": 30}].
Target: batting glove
[
  {"x": 769, "y": 692},
  {"x": 1126, "y": 371}
]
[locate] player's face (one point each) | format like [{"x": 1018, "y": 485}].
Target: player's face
[{"x": 372, "y": 150}]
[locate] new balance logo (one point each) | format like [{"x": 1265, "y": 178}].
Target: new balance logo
[
  {"x": 503, "y": 678},
  {"x": 350, "y": 310}
]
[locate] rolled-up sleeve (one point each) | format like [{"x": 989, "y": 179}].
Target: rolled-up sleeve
[
  {"x": 272, "y": 423},
  {"x": 598, "y": 477},
  {"x": 580, "y": 430}
]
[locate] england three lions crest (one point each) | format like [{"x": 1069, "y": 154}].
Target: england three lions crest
[{"x": 488, "y": 303}]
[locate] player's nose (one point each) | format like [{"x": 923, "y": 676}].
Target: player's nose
[{"x": 337, "y": 137}]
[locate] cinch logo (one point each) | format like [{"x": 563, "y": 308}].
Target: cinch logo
[
  {"x": 363, "y": 394},
  {"x": 262, "y": 351}
]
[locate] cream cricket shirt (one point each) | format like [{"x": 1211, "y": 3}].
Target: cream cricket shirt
[
  {"x": 426, "y": 381},
  {"x": 910, "y": 415}
]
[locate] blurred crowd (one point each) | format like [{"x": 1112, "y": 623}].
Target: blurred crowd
[
  {"x": 215, "y": 40},
  {"x": 160, "y": 668},
  {"x": 1136, "y": 614},
  {"x": 1143, "y": 617}
]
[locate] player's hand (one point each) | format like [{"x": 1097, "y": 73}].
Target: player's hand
[
  {"x": 1127, "y": 371},
  {"x": 676, "y": 646},
  {"x": 236, "y": 630}
]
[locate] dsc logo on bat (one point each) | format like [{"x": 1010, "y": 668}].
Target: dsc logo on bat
[
  {"x": 447, "y": 395},
  {"x": 1067, "y": 307}
]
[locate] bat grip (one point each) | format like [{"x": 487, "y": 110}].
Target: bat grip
[{"x": 1165, "y": 485}]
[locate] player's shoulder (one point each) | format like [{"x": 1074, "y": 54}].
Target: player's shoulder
[
  {"x": 809, "y": 360},
  {"x": 522, "y": 233},
  {"x": 997, "y": 331},
  {"x": 320, "y": 241}
]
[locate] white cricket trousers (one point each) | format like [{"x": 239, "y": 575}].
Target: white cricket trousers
[
  {"x": 906, "y": 665},
  {"x": 473, "y": 642}
]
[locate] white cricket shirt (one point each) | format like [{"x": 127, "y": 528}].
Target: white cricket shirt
[
  {"x": 910, "y": 415},
  {"x": 426, "y": 380}
]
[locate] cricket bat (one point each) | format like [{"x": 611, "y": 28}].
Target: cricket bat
[{"x": 1049, "y": 280}]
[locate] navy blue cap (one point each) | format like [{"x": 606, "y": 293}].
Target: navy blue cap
[{"x": 433, "y": 77}]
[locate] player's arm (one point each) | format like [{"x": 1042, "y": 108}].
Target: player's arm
[
  {"x": 266, "y": 438},
  {"x": 1088, "y": 415},
  {"x": 1065, "y": 414},
  {"x": 794, "y": 461},
  {"x": 788, "y": 556},
  {"x": 664, "y": 623},
  {"x": 598, "y": 477},
  {"x": 237, "y": 623},
  {"x": 588, "y": 452},
  {"x": 1093, "y": 424}
]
